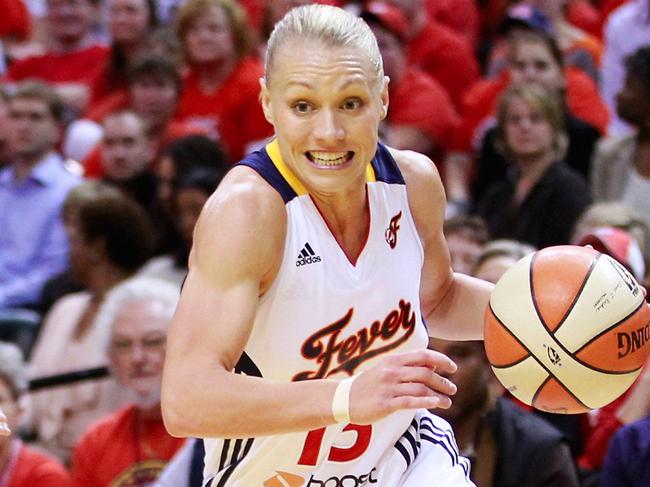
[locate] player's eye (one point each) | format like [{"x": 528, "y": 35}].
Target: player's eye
[
  {"x": 352, "y": 104},
  {"x": 302, "y": 107}
]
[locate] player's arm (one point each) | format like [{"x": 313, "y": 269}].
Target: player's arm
[
  {"x": 238, "y": 247},
  {"x": 452, "y": 304}
]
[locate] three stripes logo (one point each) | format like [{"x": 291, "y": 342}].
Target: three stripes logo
[
  {"x": 284, "y": 479},
  {"x": 307, "y": 256}
]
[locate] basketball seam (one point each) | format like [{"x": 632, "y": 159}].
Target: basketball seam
[
  {"x": 541, "y": 386},
  {"x": 513, "y": 336},
  {"x": 577, "y": 295},
  {"x": 552, "y": 334},
  {"x": 532, "y": 355},
  {"x": 566, "y": 389},
  {"x": 615, "y": 372}
]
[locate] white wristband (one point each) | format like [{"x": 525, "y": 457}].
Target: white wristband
[{"x": 341, "y": 400}]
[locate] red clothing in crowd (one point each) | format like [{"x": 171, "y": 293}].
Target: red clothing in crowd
[
  {"x": 123, "y": 450},
  {"x": 443, "y": 54},
  {"x": 462, "y": 16},
  {"x": 101, "y": 107},
  {"x": 481, "y": 102},
  {"x": 232, "y": 114},
  {"x": 420, "y": 101},
  {"x": 15, "y": 20},
  {"x": 584, "y": 15},
  {"x": 606, "y": 424},
  {"x": 28, "y": 468},
  {"x": 80, "y": 66},
  {"x": 92, "y": 163}
]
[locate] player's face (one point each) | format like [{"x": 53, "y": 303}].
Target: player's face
[
  {"x": 527, "y": 132},
  {"x": 325, "y": 104},
  {"x": 137, "y": 350}
]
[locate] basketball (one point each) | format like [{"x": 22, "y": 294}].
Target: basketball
[{"x": 567, "y": 329}]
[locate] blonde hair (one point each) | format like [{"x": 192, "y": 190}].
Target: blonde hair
[
  {"x": 331, "y": 26},
  {"x": 547, "y": 102},
  {"x": 502, "y": 248},
  {"x": 612, "y": 214}
]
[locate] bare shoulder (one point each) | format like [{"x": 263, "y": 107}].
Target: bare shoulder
[
  {"x": 243, "y": 223},
  {"x": 426, "y": 194}
]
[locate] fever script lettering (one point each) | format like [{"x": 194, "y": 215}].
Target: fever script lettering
[{"x": 336, "y": 354}]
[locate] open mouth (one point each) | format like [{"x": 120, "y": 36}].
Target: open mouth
[{"x": 328, "y": 159}]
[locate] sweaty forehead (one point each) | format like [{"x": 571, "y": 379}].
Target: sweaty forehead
[{"x": 315, "y": 62}]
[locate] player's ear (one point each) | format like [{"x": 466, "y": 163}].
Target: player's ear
[
  {"x": 266, "y": 101},
  {"x": 384, "y": 97}
]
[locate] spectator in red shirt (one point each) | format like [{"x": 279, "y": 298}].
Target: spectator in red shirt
[
  {"x": 154, "y": 91},
  {"x": 438, "y": 50},
  {"x": 129, "y": 22},
  {"x": 131, "y": 445},
  {"x": 221, "y": 88},
  {"x": 72, "y": 59},
  {"x": 460, "y": 15},
  {"x": 408, "y": 125},
  {"x": 20, "y": 465}
]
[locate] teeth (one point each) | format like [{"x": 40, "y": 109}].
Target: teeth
[{"x": 329, "y": 158}]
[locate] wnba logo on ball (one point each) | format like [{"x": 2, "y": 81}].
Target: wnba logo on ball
[{"x": 633, "y": 341}]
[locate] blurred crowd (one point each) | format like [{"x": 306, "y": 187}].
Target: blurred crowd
[{"x": 118, "y": 119}]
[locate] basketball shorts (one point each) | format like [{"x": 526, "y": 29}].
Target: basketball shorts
[{"x": 426, "y": 454}]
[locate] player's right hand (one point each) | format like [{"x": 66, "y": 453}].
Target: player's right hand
[{"x": 402, "y": 381}]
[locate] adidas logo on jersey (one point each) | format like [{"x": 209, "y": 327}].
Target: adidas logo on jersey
[{"x": 307, "y": 256}]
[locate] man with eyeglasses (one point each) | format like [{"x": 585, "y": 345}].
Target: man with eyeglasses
[{"x": 130, "y": 447}]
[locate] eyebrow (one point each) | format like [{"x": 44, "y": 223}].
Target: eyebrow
[{"x": 307, "y": 85}]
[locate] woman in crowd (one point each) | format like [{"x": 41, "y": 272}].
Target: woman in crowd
[
  {"x": 191, "y": 192},
  {"x": 534, "y": 58},
  {"x": 21, "y": 465},
  {"x": 221, "y": 86},
  {"x": 130, "y": 22},
  {"x": 542, "y": 198},
  {"x": 537, "y": 59},
  {"x": 109, "y": 240}
]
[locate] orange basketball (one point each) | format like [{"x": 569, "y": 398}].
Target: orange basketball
[{"x": 567, "y": 329}]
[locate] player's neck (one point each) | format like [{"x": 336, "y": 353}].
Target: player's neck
[{"x": 348, "y": 219}]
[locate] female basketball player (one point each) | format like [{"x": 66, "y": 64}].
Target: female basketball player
[{"x": 299, "y": 344}]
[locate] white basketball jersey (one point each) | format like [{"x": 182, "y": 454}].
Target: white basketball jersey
[{"x": 325, "y": 316}]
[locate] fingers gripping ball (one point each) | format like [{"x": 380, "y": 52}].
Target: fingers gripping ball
[{"x": 567, "y": 329}]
